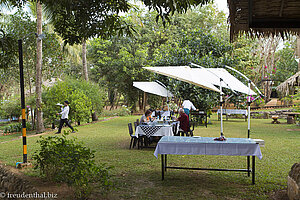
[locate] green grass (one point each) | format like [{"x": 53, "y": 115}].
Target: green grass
[{"x": 137, "y": 173}]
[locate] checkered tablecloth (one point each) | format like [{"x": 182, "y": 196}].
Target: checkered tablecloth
[{"x": 149, "y": 131}]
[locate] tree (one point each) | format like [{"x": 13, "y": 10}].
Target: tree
[
  {"x": 118, "y": 61},
  {"x": 39, "y": 113},
  {"x": 21, "y": 26},
  {"x": 78, "y": 20}
]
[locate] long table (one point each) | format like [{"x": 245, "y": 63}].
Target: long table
[
  {"x": 229, "y": 112},
  {"x": 208, "y": 146}
]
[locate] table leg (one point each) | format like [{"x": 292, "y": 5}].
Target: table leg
[
  {"x": 253, "y": 170},
  {"x": 248, "y": 165},
  {"x": 162, "y": 167},
  {"x": 165, "y": 162}
]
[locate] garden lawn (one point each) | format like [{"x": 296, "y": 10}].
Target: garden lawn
[{"x": 137, "y": 173}]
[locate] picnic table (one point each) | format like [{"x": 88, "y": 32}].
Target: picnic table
[
  {"x": 291, "y": 117},
  {"x": 208, "y": 146},
  {"x": 229, "y": 112}
]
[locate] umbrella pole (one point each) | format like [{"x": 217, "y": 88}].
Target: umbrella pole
[
  {"x": 168, "y": 104},
  {"x": 249, "y": 102},
  {"x": 221, "y": 107}
]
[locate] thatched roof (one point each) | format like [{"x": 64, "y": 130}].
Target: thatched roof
[
  {"x": 288, "y": 86},
  {"x": 264, "y": 17}
]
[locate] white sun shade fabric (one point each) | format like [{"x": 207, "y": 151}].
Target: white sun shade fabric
[
  {"x": 183, "y": 73},
  {"x": 213, "y": 76},
  {"x": 207, "y": 78},
  {"x": 153, "y": 88}
]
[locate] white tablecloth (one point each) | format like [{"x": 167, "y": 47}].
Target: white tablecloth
[
  {"x": 233, "y": 111},
  {"x": 207, "y": 146},
  {"x": 158, "y": 130}
]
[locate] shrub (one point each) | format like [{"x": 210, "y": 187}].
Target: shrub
[
  {"x": 80, "y": 104},
  {"x": 17, "y": 127},
  {"x": 11, "y": 108},
  {"x": 84, "y": 98},
  {"x": 64, "y": 160}
]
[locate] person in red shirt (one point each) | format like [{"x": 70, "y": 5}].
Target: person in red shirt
[{"x": 184, "y": 121}]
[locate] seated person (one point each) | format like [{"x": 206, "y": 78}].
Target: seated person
[
  {"x": 146, "y": 117},
  {"x": 151, "y": 117},
  {"x": 184, "y": 121}
]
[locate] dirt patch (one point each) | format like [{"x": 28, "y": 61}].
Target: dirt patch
[
  {"x": 293, "y": 129},
  {"x": 279, "y": 195},
  {"x": 41, "y": 186}
]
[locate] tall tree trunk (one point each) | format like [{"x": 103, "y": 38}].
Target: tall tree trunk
[
  {"x": 298, "y": 52},
  {"x": 84, "y": 63},
  {"x": 145, "y": 101},
  {"x": 39, "y": 114}
]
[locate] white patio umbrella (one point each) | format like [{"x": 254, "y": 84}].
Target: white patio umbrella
[
  {"x": 204, "y": 77},
  {"x": 153, "y": 88},
  {"x": 183, "y": 73}
]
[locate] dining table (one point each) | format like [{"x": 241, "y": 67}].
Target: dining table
[
  {"x": 157, "y": 128},
  {"x": 197, "y": 145}
]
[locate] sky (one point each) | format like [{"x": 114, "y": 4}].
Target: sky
[{"x": 222, "y": 5}]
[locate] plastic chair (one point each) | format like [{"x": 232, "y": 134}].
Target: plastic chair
[
  {"x": 191, "y": 128},
  {"x": 135, "y": 125},
  {"x": 134, "y": 139},
  {"x": 190, "y": 131},
  {"x": 174, "y": 129}
]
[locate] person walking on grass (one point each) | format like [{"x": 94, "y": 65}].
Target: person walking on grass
[{"x": 64, "y": 117}]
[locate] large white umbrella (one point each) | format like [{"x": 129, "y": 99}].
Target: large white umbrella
[
  {"x": 204, "y": 77},
  {"x": 153, "y": 88},
  {"x": 183, "y": 73}
]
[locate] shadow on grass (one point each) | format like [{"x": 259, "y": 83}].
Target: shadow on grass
[{"x": 179, "y": 184}]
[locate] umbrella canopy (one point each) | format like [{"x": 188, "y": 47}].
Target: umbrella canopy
[
  {"x": 213, "y": 76},
  {"x": 153, "y": 88},
  {"x": 183, "y": 73},
  {"x": 207, "y": 78}
]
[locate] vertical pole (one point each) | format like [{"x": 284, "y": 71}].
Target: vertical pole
[
  {"x": 165, "y": 162},
  {"x": 253, "y": 170},
  {"x": 249, "y": 102},
  {"x": 162, "y": 167},
  {"x": 248, "y": 165},
  {"x": 22, "y": 101},
  {"x": 221, "y": 105}
]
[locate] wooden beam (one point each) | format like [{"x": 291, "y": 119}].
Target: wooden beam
[
  {"x": 281, "y": 8},
  {"x": 274, "y": 23},
  {"x": 250, "y": 11}
]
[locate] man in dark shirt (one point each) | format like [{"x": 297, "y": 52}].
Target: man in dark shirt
[{"x": 184, "y": 121}]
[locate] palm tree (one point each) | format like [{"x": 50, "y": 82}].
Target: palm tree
[
  {"x": 84, "y": 63},
  {"x": 39, "y": 57},
  {"x": 39, "y": 114}
]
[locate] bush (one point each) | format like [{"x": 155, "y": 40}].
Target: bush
[
  {"x": 11, "y": 108},
  {"x": 64, "y": 160},
  {"x": 84, "y": 98},
  {"x": 17, "y": 127},
  {"x": 80, "y": 104}
]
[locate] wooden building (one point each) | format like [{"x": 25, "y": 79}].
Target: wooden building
[{"x": 264, "y": 17}]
